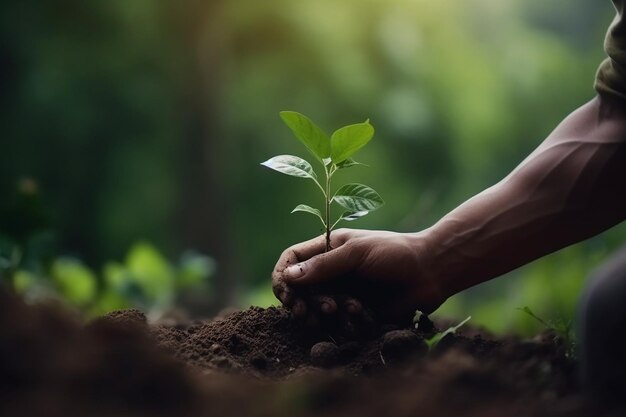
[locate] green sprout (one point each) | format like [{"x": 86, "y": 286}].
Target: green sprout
[
  {"x": 562, "y": 328},
  {"x": 433, "y": 341},
  {"x": 333, "y": 154}
]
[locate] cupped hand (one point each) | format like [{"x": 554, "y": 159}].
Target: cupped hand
[{"x": 386, "y": 273}]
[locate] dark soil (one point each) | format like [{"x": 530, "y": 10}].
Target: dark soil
[{"x": 261, "y": 362}]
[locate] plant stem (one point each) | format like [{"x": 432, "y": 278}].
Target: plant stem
[{"x": 327, "y": 198}]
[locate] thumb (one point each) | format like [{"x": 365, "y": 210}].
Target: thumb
[{"x": 324, "y": 267}]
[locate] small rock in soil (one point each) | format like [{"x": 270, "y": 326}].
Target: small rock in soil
[
  {"x": 259, "y": 361},
  {"x": 216, "y": 349},
  {"x": 402, "y": 344},
  {"x": 325, "y": 354}
]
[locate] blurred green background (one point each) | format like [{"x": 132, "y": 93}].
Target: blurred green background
[{"x": 132, "y": 132}]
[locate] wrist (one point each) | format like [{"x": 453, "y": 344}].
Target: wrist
[{"x": 431, "y": 268}]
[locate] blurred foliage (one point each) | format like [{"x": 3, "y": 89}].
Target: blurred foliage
[
  {"x": 148, "y": 119},
  {"x": 145, "y": 280}
]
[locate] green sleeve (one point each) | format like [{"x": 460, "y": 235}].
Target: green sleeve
[{"x": 611, "y": 76}]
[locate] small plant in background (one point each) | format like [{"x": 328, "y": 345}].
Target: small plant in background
[
  {"x": 10, "y": 257},
  {"x": 333, "y": 153},
  {"x": 31, "y": 265},
  {"x": 561, "y": 327},
  {"x": 145, "y": 280},
  {"x": 27, "y": 239}
]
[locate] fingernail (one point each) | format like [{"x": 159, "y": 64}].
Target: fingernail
[{"x": 295, "y": 271}]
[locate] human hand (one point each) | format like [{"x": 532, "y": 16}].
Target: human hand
[{"x": 385, "y": 272}]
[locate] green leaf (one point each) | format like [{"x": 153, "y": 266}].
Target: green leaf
[
  {"x": 348, "y": 163},
  {"x": 308, "y": 209},
  {"x": 358, "y": 197},
  {"x": 194, "y": 270},
  {"x": 315, "y": 140},
  {"x": 75, "y": 281},
  {"x": 350, "y": 216},
  {"x": 23, "y": 281},
  {"x": 349, "y": 139},
  {"x": 291, "y": 165},
  {"x": 149, "y": 274}
]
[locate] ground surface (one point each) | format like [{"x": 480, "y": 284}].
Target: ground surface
[{"x": 259, "y": 362}]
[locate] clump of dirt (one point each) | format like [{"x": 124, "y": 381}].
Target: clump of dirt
[
  {"x": 325, "y": 354},
  {"x": 50, "y": 365},
  {"x": 270, "y": 343},
  {"x": 261, "y": 362},
  {"x": 400, "y": 345},
  {"x": 259, "y": 341}
]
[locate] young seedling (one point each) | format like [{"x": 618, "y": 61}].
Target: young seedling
[
  {"x": 433, "y": 341},
  {"x": 333, "y": 153},
  {"x": 562, "y": 328}
]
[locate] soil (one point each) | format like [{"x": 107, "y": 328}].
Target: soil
[{"x": 261, "y": 362}]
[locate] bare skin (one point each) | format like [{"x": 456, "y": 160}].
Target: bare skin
[{"x": 572, "y": 187}]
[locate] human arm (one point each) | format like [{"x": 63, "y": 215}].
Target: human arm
[{"x": 571, "y": 187}]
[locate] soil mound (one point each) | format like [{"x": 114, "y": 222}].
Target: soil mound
[
  {"x": 259, "y": 341},
  {"x": 270, "y": 343},
  {"x": 261, "y": 362},
  {"x": 50, "y": 365}
]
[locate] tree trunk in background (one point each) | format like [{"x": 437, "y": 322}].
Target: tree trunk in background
[{"x": 204, "y": 215}]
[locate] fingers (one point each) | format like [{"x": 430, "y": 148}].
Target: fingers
[
  {"x": 306, "y": 250},
  {"x": 313, "y": 307},
  {"x": 299, "y": 308},
  {"x": 298, "y": 253},
  {"x": 353, "y": 306},
  {"x": 324, "y": 267},
  {"x": 308, "y": 263},
  {"x": 346, "y": 316},
  {"x": 322, "y": 306},
  {"x": 283, "y": 292},
  {"x": 325, "y": 304}
]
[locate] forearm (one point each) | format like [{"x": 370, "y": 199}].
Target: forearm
[{"x": 571, "y": 187}]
